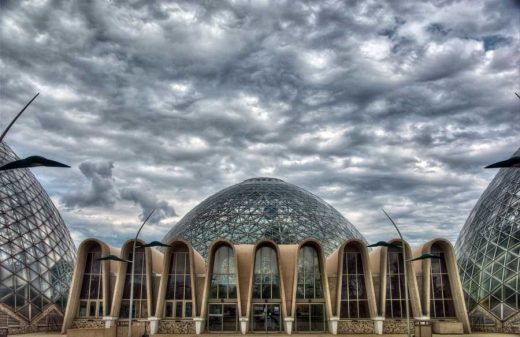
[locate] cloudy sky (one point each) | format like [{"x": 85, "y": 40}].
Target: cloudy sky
[{"x": 368, "y": 104}]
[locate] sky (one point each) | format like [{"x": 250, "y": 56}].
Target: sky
[{"x": 160, "y": 104}]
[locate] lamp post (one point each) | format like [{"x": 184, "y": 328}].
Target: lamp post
[
  {"x": 132, "y": 276},
  {"x": 405, "y": 274}
]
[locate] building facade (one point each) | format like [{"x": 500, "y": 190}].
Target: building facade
[{"x": 264, "y": 287}]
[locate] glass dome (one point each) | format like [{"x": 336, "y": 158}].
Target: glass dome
[
  {"x": 488, "y": 248},
  {"x": 263, "y": 208},
  {"x": 36, "y": 251}
]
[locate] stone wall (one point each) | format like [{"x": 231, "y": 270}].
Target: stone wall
[
  {"x": 87, "y": 323},
  {"x": 355, "y": 327},
  {"x": 167, "y": 326},
  {"x": 512, "y": 325},
  {"x": 395, "y": 326}
]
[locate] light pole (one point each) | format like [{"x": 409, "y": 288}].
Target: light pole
[
  {"x": 132, "y": 276},
  {"x": 405, "y": 274}
]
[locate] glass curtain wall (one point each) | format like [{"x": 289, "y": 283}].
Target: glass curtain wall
[
  {"x": 354, "y": 301},
  {"x": 178, "y": 299},
  {"x": 222, "y": 302},
  {"x": 266, "y": 308},
  {"x": 395, "y": 306},
  {"x": 91, "y": 295},
  {"x": 310, "y": 300},
  {"x": 140, "y": 306},
  {"x": 441, "y": 300}
]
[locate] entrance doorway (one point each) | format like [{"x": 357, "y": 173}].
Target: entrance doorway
[
  {"x": 266, "y": 318},
  {"x": 310, "y": 317},
  {"x": 222, "y": 317}
]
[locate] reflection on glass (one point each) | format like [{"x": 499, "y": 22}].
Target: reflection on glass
[
  {"x": 91, "y": 286},
  {"x": 354, "y": 302},
  {"x": 140, "y": 305},
  {"x": 178, "y": 291},
  {"x": 441, "y": 301}
]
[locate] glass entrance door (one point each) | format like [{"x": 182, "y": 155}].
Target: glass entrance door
[
  {"x": 222, "y": 317},
  {"x": 310, "y": 317},
  {"x": 266, "y": 318}
]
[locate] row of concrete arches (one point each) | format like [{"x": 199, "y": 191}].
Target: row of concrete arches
[{"x": 265, "y": 287}]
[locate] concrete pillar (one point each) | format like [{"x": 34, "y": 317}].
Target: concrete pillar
[
  {"x": 288, "y": 324},
  {"x": 109, "y": 321},
  {"x": 199, "y": 325},
  {"x": 333, "y": 325},
  {"x": 154, "y": 324},
  {"x": 378, "y": 325},
  {"x": 243, "y": 325}
]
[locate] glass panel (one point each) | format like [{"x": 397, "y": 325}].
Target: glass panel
[
  {"x": 223, "y": 279},
  {"x": 302, "y": 317},
  {"x": 82, "y": 309},
  {"x": 188, "y": 310},
  {"x": 395, "y": 291},
  {"x": 229, "y": 318},
  {"x": 178, "y": 309},
  {"x": 168, "y": 311},
  {"x": 317, "y": 317},
  {"x": 309, "y": 274},
  {"x": 91, "y": 287},
  {"x": 441, "y": 305}
]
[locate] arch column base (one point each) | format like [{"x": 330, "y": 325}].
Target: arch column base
[
  {"x": 109, "y": 321},
  {"x": 333, "y": 325},
  {"x": 199, "y": 325},
  {"x": 378, "y": 325},
  {"x": 288, "y": 321},
  {"x": 154, "y": 325},
  {"x": 244, "y": 323}
]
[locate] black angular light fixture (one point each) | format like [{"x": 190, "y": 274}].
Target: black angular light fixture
[
  {"x": 153, "y": 244},
  {"x": 112, "y": 258},
  {"x": 426, "y": 256}
]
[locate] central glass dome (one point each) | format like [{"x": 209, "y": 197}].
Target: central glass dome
[{"x": 263, "y": 208}]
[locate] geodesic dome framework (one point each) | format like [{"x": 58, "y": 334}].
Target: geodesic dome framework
[
  {"x": 488, "y": 251},
  {"x": 37, "y": 253},
  {"x": 263, "y": 208}
]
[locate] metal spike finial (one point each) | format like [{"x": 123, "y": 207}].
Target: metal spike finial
[{"x": 18, "y": 115}]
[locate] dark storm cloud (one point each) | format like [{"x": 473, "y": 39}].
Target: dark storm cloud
[
  {"x": 101, "y": 191},
  {"x": 148, "y": 203},
  {"x": 367, "y": 104}
]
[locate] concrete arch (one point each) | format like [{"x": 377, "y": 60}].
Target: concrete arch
[
  {"x": 415, "y": 300},
  {"x": 326, "y": 291},
  {"x": 77, "y": 279},
  {"x": 126, "y": 250},
  {"x": 455, "y": 283},
  {"x": 362, "y": 248},
  {"x": 258, "y": 245},
  {"x": 209, "y": 270},
  {"x": 197, "y": 266}
]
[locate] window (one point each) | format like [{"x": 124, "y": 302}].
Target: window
[
  {"x": 140, "y": 303},
  {"x": 91, "y": 295},
  {"x": 309, "y": 276},
  {"x": 441, "y": 300},
  {"x": 222, "y": 306},
  {"x": 266, "y": 279},
  {"x": 310, "y": 308},
  {"x": 178, "y": 304},
  {"x": 354, "y": 302},
  {"x": 395, "y": 306},
  {"x": 223, "y": 278},
  {"x": 266, "y": 312}
]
